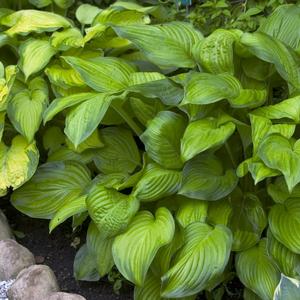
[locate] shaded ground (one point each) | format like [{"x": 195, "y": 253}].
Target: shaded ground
[{"x": 57, "y": 253}]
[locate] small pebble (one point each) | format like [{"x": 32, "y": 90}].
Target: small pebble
[{"x": 4, "y": 286}]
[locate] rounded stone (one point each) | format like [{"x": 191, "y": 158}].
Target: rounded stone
[
  {"x": 34, "y": 283},
  {"x": 65, "y": 296},
  {"x": 5, "y": 232},
  {"x": 13, "y": 259}
]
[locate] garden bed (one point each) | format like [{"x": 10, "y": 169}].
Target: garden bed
[{"x": 55, "y": 250}]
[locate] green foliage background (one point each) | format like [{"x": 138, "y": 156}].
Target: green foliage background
[{"x": 177, "y": 142}]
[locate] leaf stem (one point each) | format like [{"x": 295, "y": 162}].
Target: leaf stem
[
  {"x": 234, "y": 163},
  {"x": 119, "y": 109}
]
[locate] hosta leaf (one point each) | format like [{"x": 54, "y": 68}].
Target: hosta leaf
[
  {"x": 84, "y": 265},
  {"x": 283, "y": 25},
  {"x": 279, "y": 192},
  {"x": 6, "y": 85},
  {"x": 191, "y": 211},
  {"x": 259, "y": 171},
  {"x": 63, "y": 77},
  {"x": 103, "y": 74},
  {"x": 121, "y": 16},
  {"x": 205, "y": 88},
  {"x": 17, "y": 162},
  {"x": 162, "y": 261},
  {"x": 219, "y": 212},
  {"x": 71, "y": 208},
  {"x": 150, "y": 289},
  {"x": 215, "y": 53},
  {"x": 86, "y": 13},
  {"x": 25, "y": 21},
  {"x": 40, "y": 3},
  {"x": 167, "y": 45},
  {"x": 35, "y": 55},
  {"x": 162, "y": 139},
  {"x": 206, "y": 245},
  {"x": 156, "y": 183},
  {"x": 287, "y": 289},
  {"x": 289, "y": 108},
  {"x": 110, "y": 210},
  {"x": 205, "y": 179},
  {"x": 257, "y": 271},
  {"x": 60, "y": 104},
  {"x": 53, "y": 139},
  {"x": 53, "y": 185},
  {"x": 287, "y": 261},
  {"x": 273, "y": 51},
  {"x": 204, "y": 134},
  {"x": 261, "y": 127},
  {"x": 25, "y": 109},
  {"x": 284, "y": 223},
  {"x": 69, "y": 38},
  {"x": 250, "y": 98},
  {"x": 134, "y": 250},
  {"x": 278, "y": 153},
  {"x": 120, "y": 152},
  {"x": 155, "y": 85},
  {"x": 101, "y": 248},
  {"x": 248, "y": 220},
  {"x": 82, "y": 120},
  {"x": 145, "y": 109},
  {"x": 92, "y": 142},
  {"x": 64, "y": 3}
]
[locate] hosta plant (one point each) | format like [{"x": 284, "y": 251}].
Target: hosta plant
[{"x": 181, "y": 151}]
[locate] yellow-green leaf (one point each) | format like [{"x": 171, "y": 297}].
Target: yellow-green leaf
[
  {"x": 135, "y": 249},
  {"x": 26, "y": 108},
  {"x": 18, "y": 162},
  {"x": 35, "y": 55},
  {"x": 53, "y": 185},
  {"x": 205, "y": 246},
  {"x": 167, "y": 45},
  {"x": 110, "y": 210},
  {"x": 257, "y": 271}
]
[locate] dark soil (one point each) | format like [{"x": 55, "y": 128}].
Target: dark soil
[{"x": 55, "y": 250}]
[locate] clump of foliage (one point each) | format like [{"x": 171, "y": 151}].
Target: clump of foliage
[{"x": 181, "y": 150}]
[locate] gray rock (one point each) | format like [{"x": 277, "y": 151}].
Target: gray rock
[
  {"x": 13, "y": 259},
  {"x": 5, "y": 232},
  {"x": 37, "y": 282},
  {"x": 65, "y": 296}
]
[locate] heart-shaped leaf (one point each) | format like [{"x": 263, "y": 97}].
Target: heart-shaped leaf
[
  {"x": 257, "y": 271},
  {"x": 285, "y": 223},
  {"x": 205, "y": 179},
  {"x": 120, "y": 152},
  {"x": 134, "y": 250},
  {"x": 157, "y": 183},
  {"x": 110, "y": 210},
  {"x": 162, "y": 139},
  {"x": 209, "y": 247},
  {"x": 18, "y": 163},
  {"x": 278, "y": 153},
  {"x": 53, "y": 185},
  {"x": 25, "y": 109},
  {"x": 204, "y": 134},
  {"x": 287, "y": 261}
]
